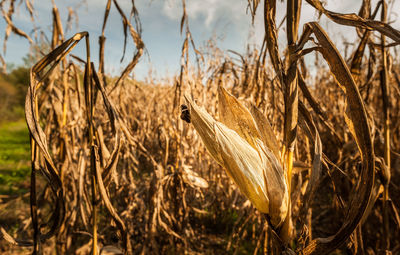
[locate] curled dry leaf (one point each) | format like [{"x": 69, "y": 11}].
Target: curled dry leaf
[
  {"x": 356, "y": 21},
  {"x": 356, "y": 120}
]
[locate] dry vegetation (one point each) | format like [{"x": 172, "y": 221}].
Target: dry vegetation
[{"x": 114, "y": 167}]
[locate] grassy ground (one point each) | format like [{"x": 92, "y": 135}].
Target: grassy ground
[{"x": 14, "y": 157}]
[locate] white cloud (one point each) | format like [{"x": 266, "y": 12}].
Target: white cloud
[{"x": 207, "y": 10}]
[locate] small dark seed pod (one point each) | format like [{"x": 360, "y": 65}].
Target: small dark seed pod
[{"x": 185, "y": 113}]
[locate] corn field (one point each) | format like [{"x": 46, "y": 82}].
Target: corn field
[{"x": 239, "y": 153}]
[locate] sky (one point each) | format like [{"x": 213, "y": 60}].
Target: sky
[{"x": 227, "y": 21}]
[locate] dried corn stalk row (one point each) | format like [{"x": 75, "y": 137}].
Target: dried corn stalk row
[
  {"x": 47, "y": 73},
  {"x": 98, "y": 172}
]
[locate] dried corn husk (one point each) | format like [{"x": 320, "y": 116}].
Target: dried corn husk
[{"x": 240, "y": 144}]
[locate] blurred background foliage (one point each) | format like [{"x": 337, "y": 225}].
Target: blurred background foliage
[
  {"x": 14, "y": 135},
  {"x": 13, "y": 86}
]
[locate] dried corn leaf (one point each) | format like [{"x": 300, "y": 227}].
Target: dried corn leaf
[
  {"x": 253, "y": 4},
  {"x": 106, "y": 13},
  {"x": 138, "y": 43},
  {"x": 120, "y": 223},
  {"x": 111, "y": 165},
  {"x": 10, "y": 25},
  {"x": 58, "y": 32},
  {"x": 357, "y": 122},
  {"x": 31, "y": 113},
  {"x": 310, "y": 99},
  {"x": 357, "y": 21},
  {"x": 30, "y": 9}
]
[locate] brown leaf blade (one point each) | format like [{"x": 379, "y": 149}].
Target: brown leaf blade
[
  {"x": 356, "y": 119},
  {"x": 357, "y": 21},
  {"x": 37, "y": 134}
]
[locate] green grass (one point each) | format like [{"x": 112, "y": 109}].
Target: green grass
[{"x": 14, "y": 157}]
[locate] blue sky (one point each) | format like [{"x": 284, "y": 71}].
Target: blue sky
[{"x": 160, "y": 19}]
